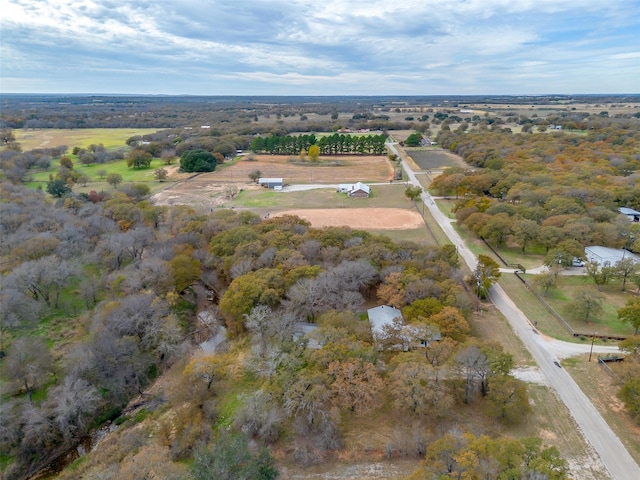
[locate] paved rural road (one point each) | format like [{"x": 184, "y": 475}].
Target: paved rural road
[{"x": 614, "y": 455}]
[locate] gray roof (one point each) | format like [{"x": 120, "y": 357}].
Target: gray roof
[
  {"x": 380, "y": 316},
  {"x": 628, "y": 211},
  {"x": 607, "y": 255},
  {"x": 361, "y": 186},
  {"x": 303, "y": 329},
  {"x": 270, "y": 180}
]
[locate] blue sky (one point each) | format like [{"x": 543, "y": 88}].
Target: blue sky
[{"x": 323, "y": 47}]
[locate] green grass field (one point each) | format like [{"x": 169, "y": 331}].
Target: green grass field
[
  {"x": 607, "y": 322},
  {"x": 49, "y": 138},
  {"x": 383, "y": 196},
  {"x": 144, "y": 175}
]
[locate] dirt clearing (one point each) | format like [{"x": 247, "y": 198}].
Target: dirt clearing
[
  {"x": 330, "y": 169},
  {"x": 359, "y": 218}
]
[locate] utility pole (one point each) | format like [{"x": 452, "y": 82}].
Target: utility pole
[{"x": 593, "y": 339}]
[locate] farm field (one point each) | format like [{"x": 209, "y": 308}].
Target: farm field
[
  {"x": 429, "y": 158},
  {"x": 205, "y": 191},
  {"x": 338, "y": 169},
  {"x": 357, "y": 218},
  {"x": 49, "y": 138}
]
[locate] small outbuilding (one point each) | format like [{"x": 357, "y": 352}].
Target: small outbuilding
[
  {"x": 606, "y": 256},
  {"x": 271, "y": 183}
]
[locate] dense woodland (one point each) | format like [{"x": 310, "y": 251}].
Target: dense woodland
[
  {"x": 95, "y": 309},
  {"x": 557, "y": 189},
  {"x": 100, "y": 295}
]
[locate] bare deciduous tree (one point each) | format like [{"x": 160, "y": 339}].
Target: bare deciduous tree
[
  {"x": 28, "y": 362},
  {"x": 73, "y": 403}
]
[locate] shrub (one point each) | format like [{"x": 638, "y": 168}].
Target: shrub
[{"x": 197, "y": 161}]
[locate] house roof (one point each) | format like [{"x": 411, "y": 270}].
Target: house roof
[
  {"x": 303, "y": 329},
  {"x": 381, "y": 316},
  {"x": 270, "y": 180},
  {"x": 628, "y": 211},
  {"x": 361, "y": 186}
]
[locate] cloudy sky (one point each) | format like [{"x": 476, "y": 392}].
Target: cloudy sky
[{"x": 320, "y": 47}]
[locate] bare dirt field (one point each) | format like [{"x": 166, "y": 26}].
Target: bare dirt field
[
  {"x": 430, "y": 158},
  {"x": 358, "y": 218},
  {"x": 338, "y": 169},
  {"x": 207, "y": 190}
]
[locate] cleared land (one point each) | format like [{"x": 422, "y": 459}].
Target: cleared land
[
  {"x": 370, "y": 218},
  {"x": 338, "y": 169},
  {"x": 429, "y": 158}
]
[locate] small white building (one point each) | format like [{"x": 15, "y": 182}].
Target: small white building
[
  {"x": 358, "y": 190},
  {"x": 608, "y": 257},
  {"x": 272, "y": 183}
]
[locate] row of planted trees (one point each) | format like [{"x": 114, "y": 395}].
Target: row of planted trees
[{"x": 327, "y": 145}]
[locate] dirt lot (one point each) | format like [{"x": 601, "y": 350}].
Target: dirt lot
[
  {"x": 430, "y": 158},
  {"x": 338, "y": 169},
  {"x": 358, "y": 218},
  {"x": 207, "y": 190}
]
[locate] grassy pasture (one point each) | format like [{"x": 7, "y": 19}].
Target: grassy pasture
[
  {"x": 49, "y": 138},
  {"x": 387, "y": 196},
  {"x": 335, "y": 169},
  {"x": 607, "y": 322},
  {"x": 142, "y": 175}
]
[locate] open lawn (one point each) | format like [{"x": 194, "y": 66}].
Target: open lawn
[
  {"x": 83, "y": 137},
  {"x": 532, "y": 308},
  {"x": 98, "y": 182},
  {"x": 562, "y": 299},
  {"x": 332, "y": 170},
  {"x": 387, "y": 196}
]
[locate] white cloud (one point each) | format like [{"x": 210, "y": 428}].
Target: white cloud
[{"x": 406, "y": 46}]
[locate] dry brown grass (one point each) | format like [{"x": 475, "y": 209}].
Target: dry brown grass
[
  {"x": 338, "y": 169},
  {"x": 601, "y": 388}
]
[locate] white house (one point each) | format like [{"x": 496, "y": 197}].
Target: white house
[
  {"x": 358, "y": 190},
  {"x": 390, "y": 331}
]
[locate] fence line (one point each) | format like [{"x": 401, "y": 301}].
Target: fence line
[{"x": 602, "y": 361}]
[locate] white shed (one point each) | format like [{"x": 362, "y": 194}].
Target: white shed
[{"x": 606, "y": 256}]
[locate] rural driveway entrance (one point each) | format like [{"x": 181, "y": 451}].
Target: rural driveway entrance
[{"x": 595, "y": 430}]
